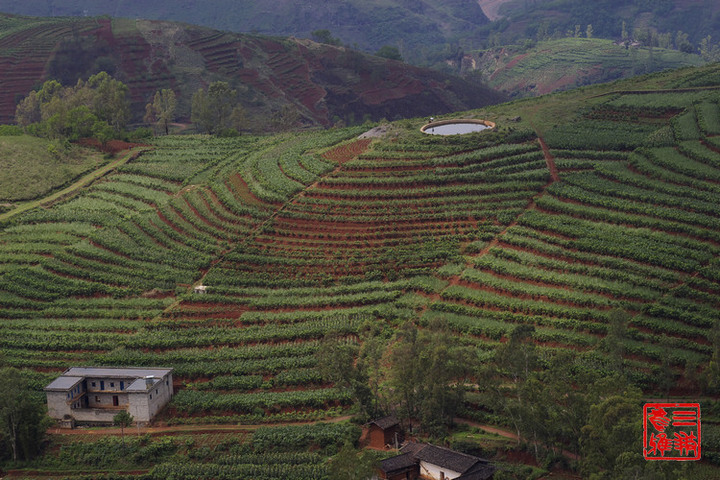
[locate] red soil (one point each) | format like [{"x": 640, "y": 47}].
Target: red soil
[
  {"x": 113, "y": 146},
  {"x": 347, "y": 152}
]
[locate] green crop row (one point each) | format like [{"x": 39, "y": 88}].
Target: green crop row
[
  {"x": 193, "y": 401},
  {"x": 498, "y": 262}
]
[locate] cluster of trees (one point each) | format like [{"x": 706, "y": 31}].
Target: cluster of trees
[
  {"x": 416, "y": 374},
  {"x": 22, "y": 417},
  {"x": 558, "y": 403},
  {"x": 216, "y": 110},
  {"x": 98, "y": 107}
]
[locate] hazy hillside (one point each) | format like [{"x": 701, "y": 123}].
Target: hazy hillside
[
  {"x": 523, "y": 18},
  {"x": 409, "y": 25},
  {"x": 322, "y": 83},
  {"x": 565, "y": 63}
]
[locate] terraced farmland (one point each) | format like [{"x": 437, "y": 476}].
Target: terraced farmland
[{"x": 299, "y": 237}]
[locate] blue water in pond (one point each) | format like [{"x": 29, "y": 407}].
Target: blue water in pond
[{"x": 456, "y": 128}]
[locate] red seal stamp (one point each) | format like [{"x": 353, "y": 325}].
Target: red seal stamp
[{"x": 671, "y": 431}]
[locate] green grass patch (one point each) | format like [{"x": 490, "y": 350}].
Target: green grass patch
[{"x": 30, "y": 169}]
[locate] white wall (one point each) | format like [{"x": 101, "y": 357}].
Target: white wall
[{"x": 433, "y": 471}]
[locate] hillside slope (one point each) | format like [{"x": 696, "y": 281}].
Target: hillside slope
[
  {"x": 322, "y": 83},
  {"x": 581, "y": 205},
  {"x": 565, "y": 63},
  {"x": 368, "y": 24}
]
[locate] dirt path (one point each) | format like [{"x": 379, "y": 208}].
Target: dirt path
[
  {"x": 549, "y": 159},
  {"x": 192, "y": 429},
  {"x": 75, "y": 187},
  {"x": 506, "y": 434}
]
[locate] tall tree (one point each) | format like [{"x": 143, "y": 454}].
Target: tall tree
[
  {"x": 213, "y": 109},
  {"x": 426, "y": 375},
  {"x": 161, "y": 111},
  {"x": 22, "y": 416},
  {"x": 110, "y": 101},
  {"x": 348, "y": 464}
]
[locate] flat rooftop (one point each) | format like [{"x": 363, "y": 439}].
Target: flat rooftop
[
  {"x": 72, "y": 376},
  {"x": 64, "y": 383},
  {"x": 116, "y": 372}
]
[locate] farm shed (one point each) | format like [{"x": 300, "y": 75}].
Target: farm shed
[
  {"x": 96, "y": 394},
  {"x": 385, "y": 432},
  {"x": 437, "y": 463}
]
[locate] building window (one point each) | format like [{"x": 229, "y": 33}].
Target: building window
[
  {"x": 151, "y": 396},
  {"x": 92, "y": 383},
  {"x": 156, "y": 390},
  {"x": 97, "y": 399},
  {"x": 112, "y": 384}
]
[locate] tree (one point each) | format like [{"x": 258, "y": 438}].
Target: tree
[
  {"x": 324, "y": 36},
  {"x": 348, "y": 464},
  {"x": 614, "y": 427},
  {"x": 123, "y": 419},
  {"x": 161, "y": 110},
  {"x": 110, "y": 100},
  {"x": 89, "y": 107},
  {"x": 339, "y": 363},
  {"x": 214, "y": 109},
  {"x": 390, "y": 52},
  {"x": 614, "y": 341},
  {"x": 22, "y": 416},
  {"x": 625, "y": 35},
  {"x": 589, "y": 31},
  {"x": 426, "y": 375},
  {"x": 515, "y": 359}
]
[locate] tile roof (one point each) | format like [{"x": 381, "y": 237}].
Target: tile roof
[
  {"x": 444, "y": 457},
  {"x": 386, "y": 422},
  {"x": 398, "y": 463},
  {"x": 471, "y": 468},
  {"x": 481, "y": 471}
]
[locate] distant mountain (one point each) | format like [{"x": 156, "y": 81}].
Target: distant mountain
[
  {"x": 321, "y": 84},
  {"x": 414, "y": 26}
]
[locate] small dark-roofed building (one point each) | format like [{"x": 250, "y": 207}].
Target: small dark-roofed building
[
  {"x": 437, "y": 463},
  {"x": 400, "y": 467},
  {"x": 385, "y": 431}
]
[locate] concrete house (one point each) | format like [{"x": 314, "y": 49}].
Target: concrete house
[
  {"x": 426, "y": 461},
  {"x": 97, "y": 394}
]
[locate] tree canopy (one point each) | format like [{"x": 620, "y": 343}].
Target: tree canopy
[
  {"x": 97, "y": 108},
  {"x": 216, "y": 109},
  {"x": 22, "y": 417},
  {"x": 161, "y": 111}
]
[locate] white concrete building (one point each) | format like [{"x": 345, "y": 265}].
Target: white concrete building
[{"x": 97, "y": 394}]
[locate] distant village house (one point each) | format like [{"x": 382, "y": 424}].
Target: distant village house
[
  {"x": 90, "y": 395},
  {"x": 426, "y": 461}
]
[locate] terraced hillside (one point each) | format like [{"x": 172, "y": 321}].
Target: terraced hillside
[
  {"x": 593, "y": 201},
  {"x": 321, "y": 84},
  {"x": 565, "y": 63}
]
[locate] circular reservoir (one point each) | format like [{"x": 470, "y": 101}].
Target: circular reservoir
[{"x": 456, "y": 127}]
